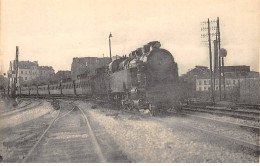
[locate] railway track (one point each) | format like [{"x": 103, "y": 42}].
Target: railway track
[
  {"x": 249, "y": 106},
  {"x": 64, "y": 97},
  {"x": 226, "y": 123},
  {"x": 19, "y": 110},
  {"x": 55, "y": 144},
  {"x": 9, "y": 110},
  {"x": 248, "y": 115},
  {"x": 250, "y": 146},
  {"x": 254, "y": 147}
]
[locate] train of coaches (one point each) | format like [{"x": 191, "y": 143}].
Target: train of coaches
[{"x": 147, "y": 78}]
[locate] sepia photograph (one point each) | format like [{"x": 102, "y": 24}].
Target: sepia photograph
[{"x": 129, "y": 81}]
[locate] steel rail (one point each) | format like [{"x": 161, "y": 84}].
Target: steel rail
[
  {"x": 19, "y": 111},
  {"x": 255, "y": 118},
  {"x": 39, "y": 140},
  {"x": 12, "y": 109},
  {"x": 254, "y": 128},
  {"x": 252, "y": 146},
  {"x": 94, "y": 139}
]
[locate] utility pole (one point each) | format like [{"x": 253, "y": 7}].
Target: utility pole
[
  {"x": 222, "y": 54},
  {"x": 208, "y": 35},
  {"x": 10, "y": 75},
  {"x": 210, "y": 62},
  {"x": 110, "y": 35},
  {"x": 16, "y": 70},
  {"x": 219, "y": 59},
  {"x": 215, "y": 61}
]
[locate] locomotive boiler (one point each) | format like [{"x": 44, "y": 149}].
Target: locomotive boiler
[{"x": 148, "y": 78}]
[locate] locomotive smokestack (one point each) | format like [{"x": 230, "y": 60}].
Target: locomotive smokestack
[
  {"x": 155, "y": 44},
  {"x": 146, "y": 48},
  {"x": 139, "y": 52}
]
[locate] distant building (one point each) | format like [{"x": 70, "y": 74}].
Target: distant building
[
  {"x": 28, "y": 70},
  {"x": 193, "y": 74},
  {"x": 204, "y": 84},
  {"x": 198, "y": 71},
  {"x": 87, "y": 65},
  {"x": 241, "y": 84},
  {"x": 232, "y": 76},
  {"x": 236, "y": 69},
  {"x": 45, "y": 71},
  {"x": 63, "y": 75}
]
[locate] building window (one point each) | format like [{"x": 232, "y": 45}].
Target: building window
[
  {"x": 209, "y": 82},
  {"x": 25, "y": 72},
  {"x": 234, "y": 82},
  {"x": 21, "y": 72},
  {"x": 25, "y": 78},
  {"x": 205, "y": 88},
  {"x": 216, "y": 87},
  {"x": 205, "y": 82},
  {"x": 209, "y": 88}
]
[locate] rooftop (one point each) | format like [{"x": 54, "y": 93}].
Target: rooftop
[{"x": 27, "y": 64}]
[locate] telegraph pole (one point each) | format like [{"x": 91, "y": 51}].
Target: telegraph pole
[
  {"x": 222, "y": 54},
  {"x": 10, "y": 75},
  {"x": 208, "y": 35},
  {"x": 215, "y": 61},
  {"x": 110, "y": 35},
  {"x": 219, "y": 59},
  {"x": 222, "y": 59},
  {"x": 16, "y": 70},
  {"x": 210, "y": 62}
]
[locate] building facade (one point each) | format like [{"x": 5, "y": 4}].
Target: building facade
[
  {"x": 63, "y": 75},
  {"x": 87, "y": 65},
  {"x": 241, "y": 85},
  {"x": 28, "y": 70},
  {"x": 233, "y": 76},
  {"x": 204, "y": 84}
]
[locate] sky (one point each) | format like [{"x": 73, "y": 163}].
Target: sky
[{"x": 52, "y": 32}]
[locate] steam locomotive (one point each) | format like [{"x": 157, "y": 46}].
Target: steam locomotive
[{"x": 146, "y": 79}]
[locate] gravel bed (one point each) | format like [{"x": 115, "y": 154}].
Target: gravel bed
[
  {"x": 227, "y": 118},
  {"x": 8, "y": 104},
  {"x": 146, "y": 139},
  {"x": 17, "y": 110},
  {"x": 25, "y": 116},
  {"x": 16, "y": 141},
  {"x": 232, "y": 132}
]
